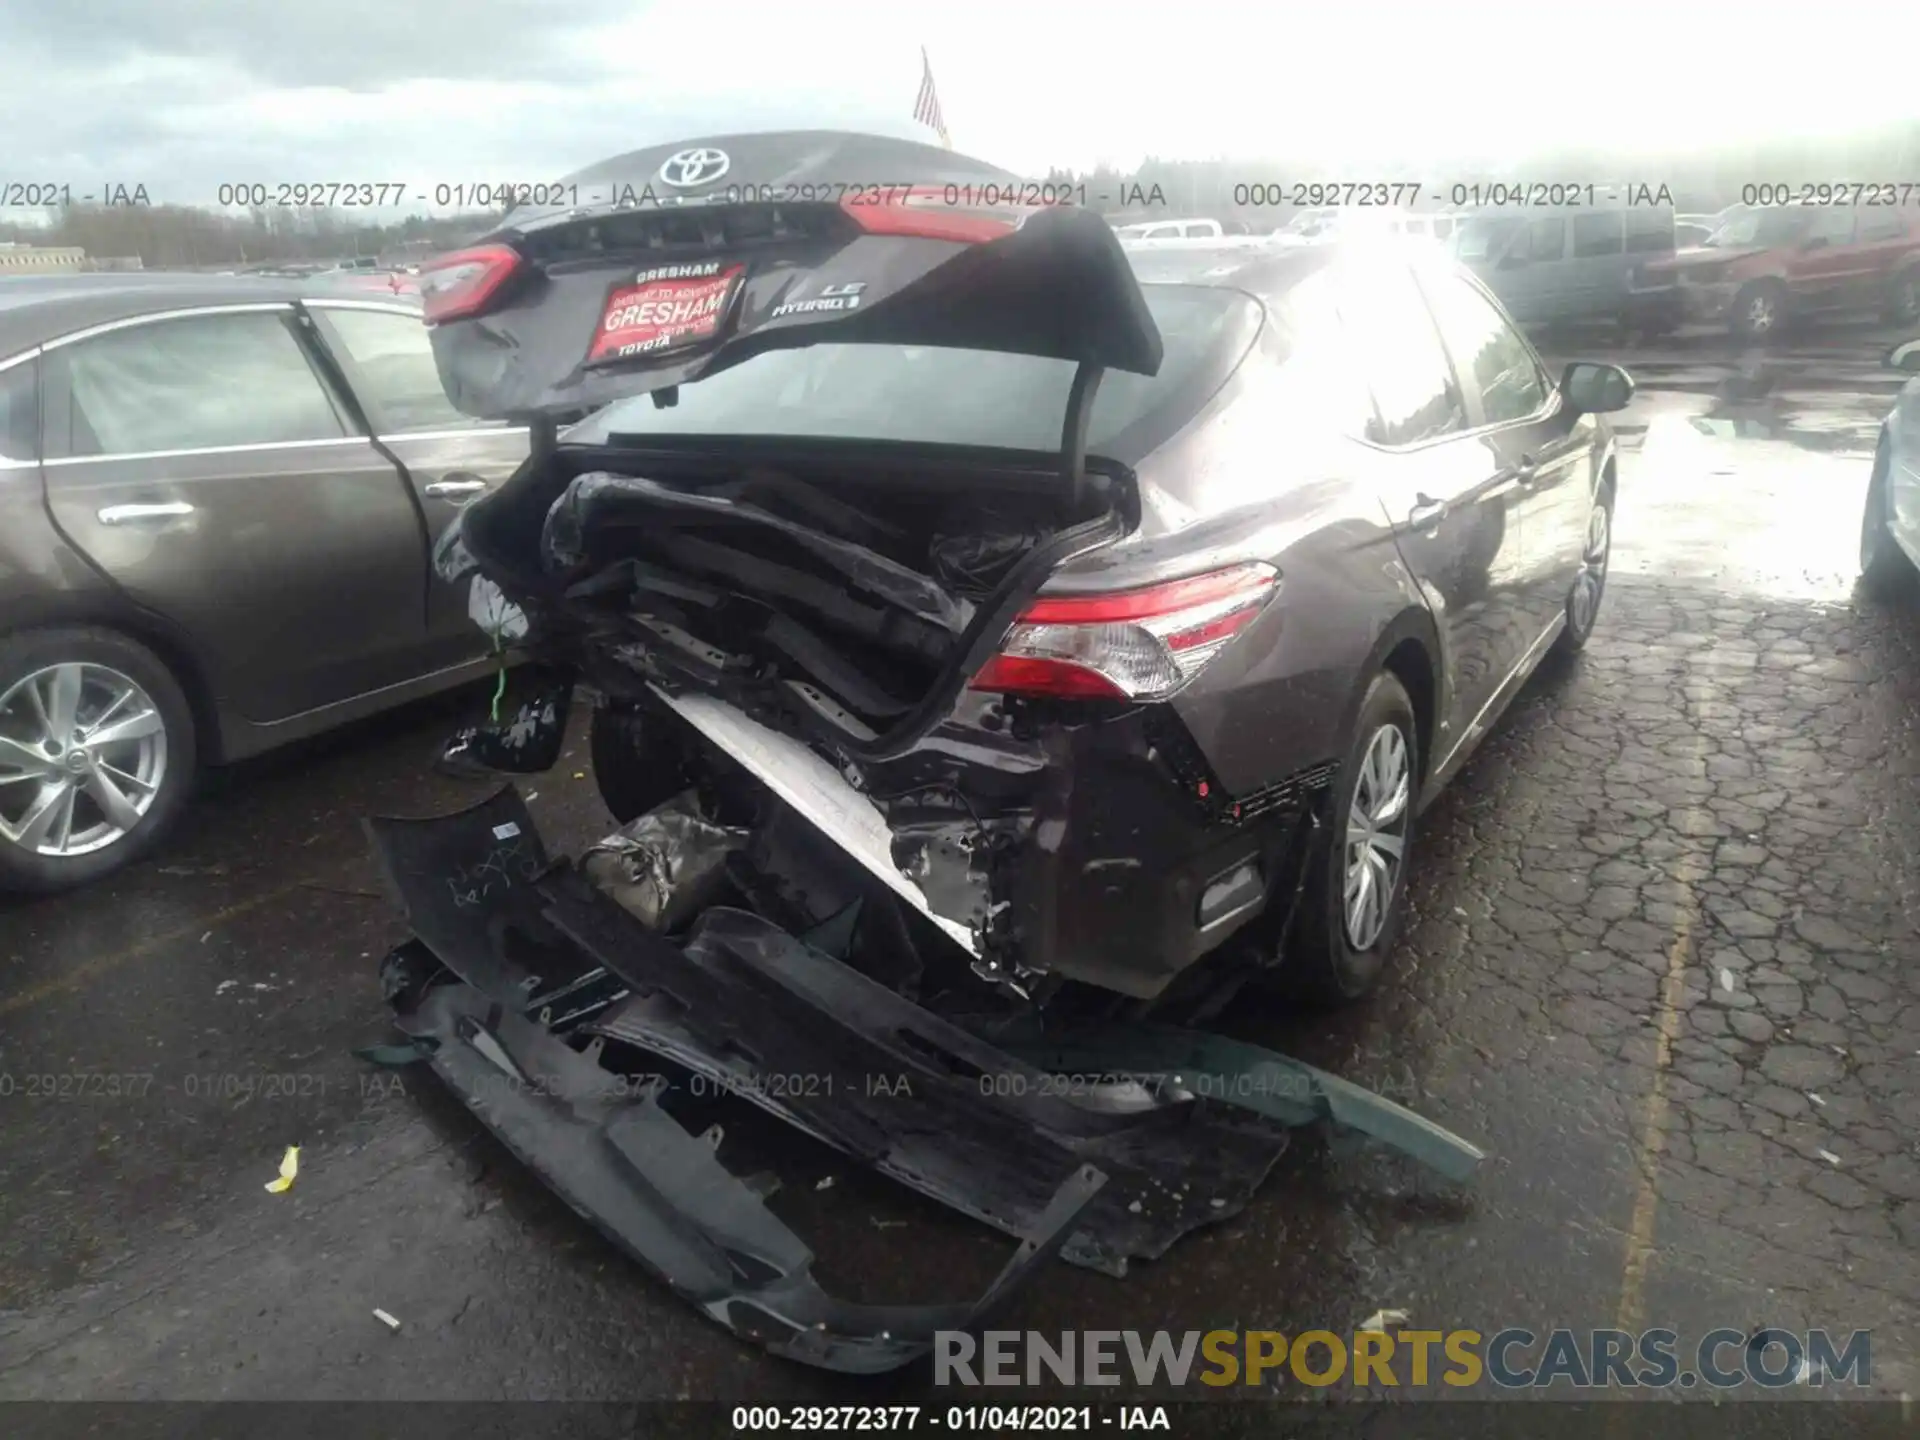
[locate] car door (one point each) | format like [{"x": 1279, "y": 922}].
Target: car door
[
  {"x": 1541, "y": 445},
  {"x": 1824, "y": 269},
  {"x": 1903, "y": 469},
  {"x": 1521, "y": 278},
  {"x": 201, "y": 461},
  {"x": 1883, "y": 239},
  {"x": 449, "y": 459},
  {"x": 1596, "y": 261},
  {"x": 1445, "y": 491}
]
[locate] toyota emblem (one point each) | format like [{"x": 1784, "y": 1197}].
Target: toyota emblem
[{"x": 689, "y": 168}]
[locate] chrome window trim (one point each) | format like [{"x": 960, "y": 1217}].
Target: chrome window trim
[
  {"x": 387, "y": 307},
  {"x": 208, "y": 450},
  {"x": 252, "y": 307},
  {"x": 478, "y": 427},
  {"x": 248, "y": 307}
]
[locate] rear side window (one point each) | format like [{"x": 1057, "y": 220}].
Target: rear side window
[
  {"x": 195, "y": 383},
  {"x": 1877, "y": 223},
  {"x": 1649, "y": 231},
  {"x": 1393, "y": 336},
  {"x": 1597, "y": 234},
  {"x": 19, "y": 414},
  {"x": 1833, "y": 226},
  {"x": 393, "y": 371},
  {"x": 1319, "y": 381},
  {"x": 1547, "y": 238},
  {"x": 945, "y": 397},
  {"x": 1486, "y": 347}
]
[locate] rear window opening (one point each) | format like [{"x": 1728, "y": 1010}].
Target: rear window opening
[{"x": 931, "y": 395}]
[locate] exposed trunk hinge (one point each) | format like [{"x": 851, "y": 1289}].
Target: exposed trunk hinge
[{"x": 1073, "y": 435}]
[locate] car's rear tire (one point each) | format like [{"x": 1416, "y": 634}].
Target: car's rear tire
[
  {"x": 97, "y": 756},
  {"x": 1886, "y": 571},
  {"x": 1760, "y": 311},
  {"x": 1341, "y": 946},
  {"x": 1590, "y": 584}
]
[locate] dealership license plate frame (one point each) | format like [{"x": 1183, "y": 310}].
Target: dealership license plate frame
[{"x": 721, "y": 288}]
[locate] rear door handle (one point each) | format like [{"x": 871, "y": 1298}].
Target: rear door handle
[
  {"x": 1427, "y": 514},
  {"x": 449, "y": 489},
  {"x": 128, "y": 514}
]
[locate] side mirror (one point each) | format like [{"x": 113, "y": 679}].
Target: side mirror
[
  {"x": 1905, "y": 358},
  {"x": 1593, "y": 388}
]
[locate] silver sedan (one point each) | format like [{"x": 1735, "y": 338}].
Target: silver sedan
[{"x": 1890, "y": 526}]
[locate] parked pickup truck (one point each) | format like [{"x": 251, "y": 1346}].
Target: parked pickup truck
[
  {"x": 1767, "y": 268},
  {"x": 1187, "y": 235}
]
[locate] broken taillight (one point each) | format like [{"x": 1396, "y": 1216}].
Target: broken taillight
[
  {"x": 1127, "y": 644},
  {"x": 460, "y": 285}
]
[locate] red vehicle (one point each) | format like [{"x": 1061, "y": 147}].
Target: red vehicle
[{"x": 1769, "y": 267}]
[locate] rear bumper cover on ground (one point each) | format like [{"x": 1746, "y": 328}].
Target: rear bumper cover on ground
[{"x": 521, "y": 972}]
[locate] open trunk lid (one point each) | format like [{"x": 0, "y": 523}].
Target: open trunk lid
[{"x": 674, "y": 263}]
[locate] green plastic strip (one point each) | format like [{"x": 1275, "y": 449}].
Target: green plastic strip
[{"x": 1263, "y": 1081}]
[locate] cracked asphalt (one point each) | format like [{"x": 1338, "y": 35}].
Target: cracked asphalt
[{"x": 1662, "y": 963}]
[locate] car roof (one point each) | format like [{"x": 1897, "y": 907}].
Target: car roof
[{"x": 38, "y": 308}]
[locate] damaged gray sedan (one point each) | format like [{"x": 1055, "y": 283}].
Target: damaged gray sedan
[{"x": 992, "y": 650}]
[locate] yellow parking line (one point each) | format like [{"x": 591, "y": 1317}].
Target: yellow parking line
[
  {"x": 77, "y": 975},
  {"x": 1688, "y": 871}
]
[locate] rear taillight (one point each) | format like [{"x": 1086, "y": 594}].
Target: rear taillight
[
  {"x": 461, "y": 285},
  {"x": 1127, "y": 644},
  {"x": 928, "y": 212}
]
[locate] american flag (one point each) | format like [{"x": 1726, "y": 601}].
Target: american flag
[{"x": 927, "y": 108}]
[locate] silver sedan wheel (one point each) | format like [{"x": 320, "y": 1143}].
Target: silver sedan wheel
[
  {"x": 1592, "y": 578},
  {"x": 83, "y": 753},
  {"x": 1377, "y": 834}
]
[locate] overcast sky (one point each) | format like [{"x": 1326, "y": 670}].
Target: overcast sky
[{"x": 183, "y": 94}]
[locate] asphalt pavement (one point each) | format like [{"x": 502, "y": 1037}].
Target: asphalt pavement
[{"x": 1661, "y": 964}]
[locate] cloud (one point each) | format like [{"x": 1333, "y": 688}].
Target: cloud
[{"x": 185, "y": 95}]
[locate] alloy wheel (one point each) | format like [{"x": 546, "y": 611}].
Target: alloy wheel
[
  {"x": 83, "y": 754},
  {"x": 1376, "y": 838},
  {"x": 1592, "y": 578},
  {"x": 1761, "y": 313}
]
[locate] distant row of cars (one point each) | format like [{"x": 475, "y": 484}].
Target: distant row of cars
[{"x": 1753, "y": 270}]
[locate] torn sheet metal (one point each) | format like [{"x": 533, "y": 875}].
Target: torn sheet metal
[
  {"x": 664, "y": 867},
  {"x": 1263, "y": 1081}
]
